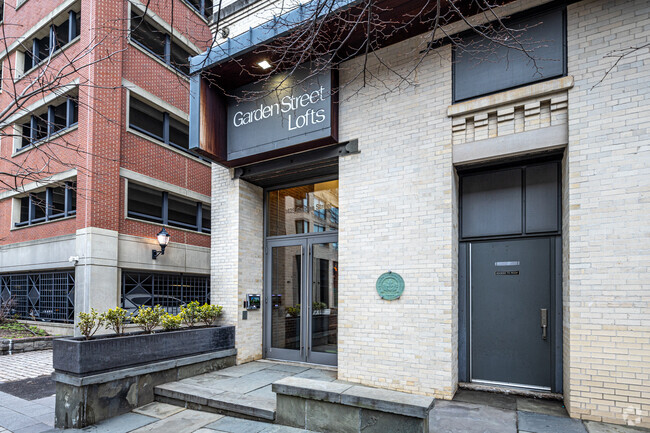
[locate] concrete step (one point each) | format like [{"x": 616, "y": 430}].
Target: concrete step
[{"x": 200, "y": 397}]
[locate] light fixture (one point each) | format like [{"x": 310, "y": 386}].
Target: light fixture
[
  {"x": 163, "y": 240},
  {"x": 264, "y": 64}
]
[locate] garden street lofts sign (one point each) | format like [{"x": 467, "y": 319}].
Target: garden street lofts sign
[{"x": 282, "y": 111}]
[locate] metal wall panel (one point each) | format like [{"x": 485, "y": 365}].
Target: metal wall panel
[
  {"x": 483, "y": 66},
  {"x": 542, "y": 199}
]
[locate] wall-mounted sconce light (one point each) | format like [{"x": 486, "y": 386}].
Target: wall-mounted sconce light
[
  {"x": 264, "y": 64},
  {"x": 163, "y": 240}
]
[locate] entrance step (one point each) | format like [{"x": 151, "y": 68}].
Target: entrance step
[{"x": 242, "y": 391}]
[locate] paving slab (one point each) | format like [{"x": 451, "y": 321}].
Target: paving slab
[
  {"x": 501, "y": 401},
  {"x": 264, "y": 392},
  {"x": 537, "y": 405},
  {"x": 243, "y": 369},
  {"x": 36, "y": 428},
  {"x": 385, "y": 400},
  {"x": 318, "y": 374},
  {"x": 186, "y": 421},
  {"x": 49, "y": 401},
  {"x": 289, "y": 368},
  {"x": 599, "y": 427},
  {"x": 120, "y": 424},
  {"x": 12, "y": 420},
  {"x": 541, "y": 423},
  {"x": 158, "y": 410},
  {"x": 310, "y": 389},
  {"x": 456, "y": 417},
  {"x": 186, "y": 392},
  {"x": 245, "y": 404},
  {"x": 235, "y": 425}
]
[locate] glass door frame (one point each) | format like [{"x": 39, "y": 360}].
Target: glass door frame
[{"x": 305, "y": 354}]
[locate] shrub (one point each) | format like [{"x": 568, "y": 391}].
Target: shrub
[
  {"x": 148, "y": 318},
  {"x": 89, "y": 323},
  {"x": 190, "y": 313},
  {"x": 6, "y": 309},
  {"x": 208, "y": 314},
  {"x": 294, "y": 311},
  {"x": 169, "y": 322},
  {"x": 116, "y": 318}
]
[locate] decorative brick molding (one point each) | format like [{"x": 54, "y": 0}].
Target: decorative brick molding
[{"x": 514, "y": 111}]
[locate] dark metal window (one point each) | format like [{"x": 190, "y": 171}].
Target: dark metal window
[
  {"x": 48, "y": 205},
  {"x": 159, "y": 43},
  {"x": 157, "y": 124},
  {"x": 57, "y": 37},
  {"x": 168, "y": 209},
  {"x": 524, "y": 50},
  {"x": 204, "y": 7},
  {"x": 170, "y": 291},
  {"x": 48, "y": 121},
  {"x": 47, "y": 296}
]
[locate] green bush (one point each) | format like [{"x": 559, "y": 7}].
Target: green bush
[
  {"x": 208, "y": 314},
  {"x": 294, "y": 311},
  {"x": 169, "y": 322},
  {"x": 89, "y": 323},
  {"x": 116, "y": 319},
  {"x": 148, "y": 318},
  {"x": 191, "y": 313}
]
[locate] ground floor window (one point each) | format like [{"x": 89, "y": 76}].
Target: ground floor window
[
  {"x": 170, "y": 291},
  {"x": 47, "y": 296}
]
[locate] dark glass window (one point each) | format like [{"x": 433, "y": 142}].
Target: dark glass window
[
  {"x": 146, "y": 119},
  {"x": 206, "y": 221},
  {"x": 159, "y": 206},
  {"x": 203, "y": 7},
  {"x": 157, "y": 124},
  {"x": 179, "y": 133},
  {"x": 63, "y": 118},
  {"x": 39, "y": 49},
  {"x": 170, "y": 291},
  {"x": 145, "y": 203},
  {"x": 482, "y": 66},
  {"x": 159, "y": 43},
  {"x": 48, "y": 204},
  {"x": 182, "y": 212},
  {"x": 147, "y": 35}
]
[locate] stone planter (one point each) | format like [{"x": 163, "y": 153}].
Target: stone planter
[{"x": 99, "y": 354}]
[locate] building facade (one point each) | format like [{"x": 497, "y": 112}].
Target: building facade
[
  {"x": 477, "y": 223},
  {"x": 94, "y": 158}
]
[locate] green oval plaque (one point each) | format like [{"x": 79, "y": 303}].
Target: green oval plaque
[{"x": 390, "y": 286}]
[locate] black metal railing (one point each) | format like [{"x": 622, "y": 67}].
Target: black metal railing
[
  {"x": 170, "y": 291},
  {"x": 47, "y": 296}
]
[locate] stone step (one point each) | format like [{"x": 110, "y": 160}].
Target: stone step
[{"x": 195, "y": 396}]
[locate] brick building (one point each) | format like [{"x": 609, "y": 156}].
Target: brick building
[
  {"x": 485, "y": 224},
  {"x": 102, "y": 145}
]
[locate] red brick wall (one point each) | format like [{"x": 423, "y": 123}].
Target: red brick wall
[{"x": 101, "y": 144}]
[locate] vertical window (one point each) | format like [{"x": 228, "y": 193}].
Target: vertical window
[
  {"x": 48, "y": 205},
  {"x": 204, "y": 7}
]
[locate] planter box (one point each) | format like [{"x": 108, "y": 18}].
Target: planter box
[{"x": 79, "y": 356}]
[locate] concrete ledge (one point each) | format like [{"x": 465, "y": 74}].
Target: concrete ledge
[
  {"x": 336, "y": 407},
  {"x": 12, "y": 346},
  {"x": 154, "y": 367},
  {"x": 536, "y": 140}
]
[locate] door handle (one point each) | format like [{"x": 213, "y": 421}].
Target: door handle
[{"x": 543, "y": 313}]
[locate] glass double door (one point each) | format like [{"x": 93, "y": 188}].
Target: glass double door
[{"x": 301, "y": 293}]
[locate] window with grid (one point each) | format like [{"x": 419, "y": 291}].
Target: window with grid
[{"x": 48, "y": 205}]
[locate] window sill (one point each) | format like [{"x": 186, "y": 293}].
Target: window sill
[
  {"x": 47, "y": 59},
  {"x": 164, "y": 225},
  {"x": 176, "y": 72},
  {"x": 62, "y": 132},
  {"x": 193, "y": 9},
  {"x": 167, "y": 146},
  {"x": 13, "y": 228},
  {"x": 509, "y": 96}
]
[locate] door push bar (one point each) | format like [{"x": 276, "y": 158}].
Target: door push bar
[{"x": 544, "y": 321}]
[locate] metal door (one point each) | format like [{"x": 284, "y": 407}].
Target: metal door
[
  {"x": 510, "y": 312},
  {"x": 301, "y": 297}
]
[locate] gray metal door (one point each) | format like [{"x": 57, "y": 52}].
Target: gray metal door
[{"x": 510, "y": 312}]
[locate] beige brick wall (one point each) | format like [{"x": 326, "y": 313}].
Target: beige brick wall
[
  {"x": 607, "y": 215},
  {"x": 237, "y": 257},
  {"x": 398, "y": 213}
]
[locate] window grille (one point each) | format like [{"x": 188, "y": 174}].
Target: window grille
[
  {"x": 170, "y": 291},
  {"x": 47, "y": 296}
]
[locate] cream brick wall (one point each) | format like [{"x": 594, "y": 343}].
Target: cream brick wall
[
  {"x": 237, "y": 257},
  {"x": 398, "y": 213},
  {"x": 607, "y": 229}
]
